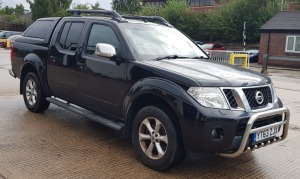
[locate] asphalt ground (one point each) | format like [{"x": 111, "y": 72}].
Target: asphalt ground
[{"x": 61, "y": 144}]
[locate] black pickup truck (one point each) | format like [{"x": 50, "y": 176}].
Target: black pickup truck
[{"x": 142, "y": 77}]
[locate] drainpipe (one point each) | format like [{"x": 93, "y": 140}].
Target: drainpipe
[
  {"x": 264, "y": 69},
  {"x": 268, "y": 48}
]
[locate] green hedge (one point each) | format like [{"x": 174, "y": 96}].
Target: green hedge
[{"x": 224, "y": 23}]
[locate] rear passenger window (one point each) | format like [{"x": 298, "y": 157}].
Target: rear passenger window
[
  {"x": 101, "y": 34},
  {"x": 64, "y": 34},
  {"x": 40, "y": 29},
  {"x": 70, "y": 35}
]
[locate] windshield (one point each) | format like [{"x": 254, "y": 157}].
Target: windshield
[{"x": 150, "y": 42}]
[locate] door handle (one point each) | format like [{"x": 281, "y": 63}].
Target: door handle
[
  {"x": 53, "y": 58},
  {"x": 81, "y": 65}
]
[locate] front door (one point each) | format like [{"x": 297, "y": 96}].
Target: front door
[{"x": 102, "y": 83}]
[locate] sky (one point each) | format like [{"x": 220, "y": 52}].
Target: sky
[{"x": 105, "y": 4}]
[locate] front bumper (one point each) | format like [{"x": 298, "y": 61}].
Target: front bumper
[
  {"x": 243, "y": 145},
  {"x": 198, "y": 124}
]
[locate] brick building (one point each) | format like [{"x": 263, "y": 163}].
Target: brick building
[
  {"x": 280, "y": 38},
  {"x": 198, "y": 5}
]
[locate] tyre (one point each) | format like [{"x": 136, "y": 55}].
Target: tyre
[
  {"x": 156, "y": 140},
  {"x": 33, "y": 94}
]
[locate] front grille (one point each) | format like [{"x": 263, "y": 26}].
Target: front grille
[
  {"x": 246, "y": 98},
  {"x": 229, "y": 95},
  {"x": 251, "y": 95}
]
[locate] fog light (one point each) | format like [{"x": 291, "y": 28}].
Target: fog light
[{"x": 217, "y": 134}]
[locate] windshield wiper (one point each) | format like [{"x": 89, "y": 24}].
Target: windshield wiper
[{"x": 170, "y": 57}]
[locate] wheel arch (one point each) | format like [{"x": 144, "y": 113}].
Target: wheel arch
[
  {"x": 27, "y": 68},
  {"x": 155, "y": 92},
  {"x": 33, "y": 63}
]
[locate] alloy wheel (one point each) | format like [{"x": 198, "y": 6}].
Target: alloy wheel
[
  {"x": 31, "y": 92},
  {"x": 153, "y": 138}
]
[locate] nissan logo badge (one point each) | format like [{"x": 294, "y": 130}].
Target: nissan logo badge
[{"x": 259, "y": 97}]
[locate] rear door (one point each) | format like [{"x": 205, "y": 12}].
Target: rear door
[{"x": 62, "y": 66}]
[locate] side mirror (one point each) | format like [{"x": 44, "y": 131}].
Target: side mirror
[{"x": 105, "y": 50}]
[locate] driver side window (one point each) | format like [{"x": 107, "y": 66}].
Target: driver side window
[{"x": 101, "y": 34}]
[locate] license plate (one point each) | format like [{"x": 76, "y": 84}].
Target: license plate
[{"x": 265, "y": 134}]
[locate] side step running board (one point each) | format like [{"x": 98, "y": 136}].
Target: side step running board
[{"x": 87, "y": 114}]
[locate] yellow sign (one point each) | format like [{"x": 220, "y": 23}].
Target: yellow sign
[{"x": 243, "y": 56}]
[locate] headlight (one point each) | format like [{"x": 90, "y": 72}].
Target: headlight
[
  {"x": 274, "y": 94},
  {"x": 209, "y": 97}
]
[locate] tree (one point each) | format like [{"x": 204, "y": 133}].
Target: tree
[
  {"x": 40, "y": 8},
  {"x": 8, "y": 10},
  {"x": 11, "y": 17},
  {"x": 19, "y": 10},
  {"x": 234, "y": 13},
  {"x": 64, "y": 4},
  {"x": 127, "y": 6},
  {"x": 61, "y": 6},
  {"x": 96, "y": 6},
  {"x": 81, "y": 6},
  {"x": 223, "y": 23},
  {"x": 48, "y": 8}
]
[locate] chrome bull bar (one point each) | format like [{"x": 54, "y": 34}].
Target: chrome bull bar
[{"x": 286, "y": 115}]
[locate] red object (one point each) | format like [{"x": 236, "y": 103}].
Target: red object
[
  {"x": 213, "y": 46},
  {"x": 220, "y": 48},
  {"x": 11, "y": 52},
  {"x": 3, "y": 44}
]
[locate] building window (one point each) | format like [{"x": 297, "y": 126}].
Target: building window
[{"x": 292, "y": 44}]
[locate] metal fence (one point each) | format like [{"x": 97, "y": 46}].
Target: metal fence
[
  {"x": 238, "y": 58},
  {"x": 12, "y": 26}
]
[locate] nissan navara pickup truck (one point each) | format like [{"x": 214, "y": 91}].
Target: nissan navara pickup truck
[{"x": 145, "y": 79}]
